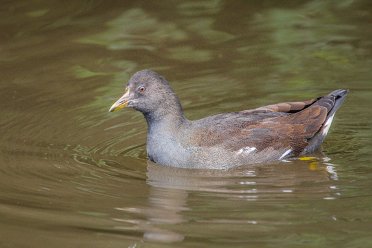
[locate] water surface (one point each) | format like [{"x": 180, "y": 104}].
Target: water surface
[{"x": 74, "y": 175}]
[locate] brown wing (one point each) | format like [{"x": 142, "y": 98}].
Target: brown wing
[
  {"x": 291, "y": 131},
  {"x": 290, "y": 125},
  {"x": 278, "y": 126}
]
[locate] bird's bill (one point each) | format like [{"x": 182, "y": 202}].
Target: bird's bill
[{"x": 121, "y": 103}]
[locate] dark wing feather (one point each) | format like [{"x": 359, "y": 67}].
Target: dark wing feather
[{"x": 288, "y": 107}]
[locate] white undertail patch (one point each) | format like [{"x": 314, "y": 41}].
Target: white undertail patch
[
  {"x": 285, "y": 154},
  {"x": 246, "y": 150},
  {"x": 327, "y": 125}
]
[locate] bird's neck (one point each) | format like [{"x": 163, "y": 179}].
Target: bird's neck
[{"x": 167, "y": 116}]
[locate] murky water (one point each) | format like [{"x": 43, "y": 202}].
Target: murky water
[{"x": 74, "y": 175}]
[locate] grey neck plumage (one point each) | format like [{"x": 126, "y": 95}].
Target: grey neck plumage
[{"x": 168, "y": 113}]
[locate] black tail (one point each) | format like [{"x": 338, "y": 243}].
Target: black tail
[
  {"x": 332, "y": 102},
  {"x": 339, "y": 96}
]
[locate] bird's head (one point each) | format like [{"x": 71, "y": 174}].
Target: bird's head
[{"x": 149, "y": 93}]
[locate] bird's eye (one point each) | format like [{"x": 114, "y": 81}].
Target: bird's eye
[{"x": 141, "y": 89}]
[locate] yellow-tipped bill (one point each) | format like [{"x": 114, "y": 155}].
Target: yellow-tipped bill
[{"x": 121, "y": 103}]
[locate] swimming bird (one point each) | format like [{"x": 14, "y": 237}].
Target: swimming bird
[{"x": 268, "y": 133}]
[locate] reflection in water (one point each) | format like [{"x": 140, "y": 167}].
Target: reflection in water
[
  {"x": 166, "y": 206},
  {"x": 171, "y": 187}
]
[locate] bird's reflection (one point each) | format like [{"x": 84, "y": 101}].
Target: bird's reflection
[{"x": 170, "y": 189}]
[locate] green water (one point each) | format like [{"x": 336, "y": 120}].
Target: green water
[{"x": 74, "y": 175}]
